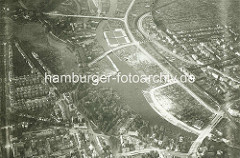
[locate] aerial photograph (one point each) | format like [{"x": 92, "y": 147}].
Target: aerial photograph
[{"x": 119, "y": 79}]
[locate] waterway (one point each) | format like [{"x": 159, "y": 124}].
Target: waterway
[{"x": 131, "y": 94}]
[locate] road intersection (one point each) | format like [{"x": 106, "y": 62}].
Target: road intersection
[{"x": 201, "y": 134}]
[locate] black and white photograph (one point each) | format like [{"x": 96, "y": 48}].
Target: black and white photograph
[{"x": 119, "y": 78}]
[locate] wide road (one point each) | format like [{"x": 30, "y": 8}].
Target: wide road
[
  {"x": 7, "y": 97},
  {"x": 3, "y": 98},
  {"x": 205, "y": 133},
  {"x": 5, "y": 75},
  {"x": 140, "y": 22},
  {"x": 162, "y": 153},
  {"x": 219, "y": 114},
  {"x": 82, "y": 16},
  {"x": 158, "y": 44}
]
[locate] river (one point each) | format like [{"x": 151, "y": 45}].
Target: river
[{"x": 131, "y": 95}]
